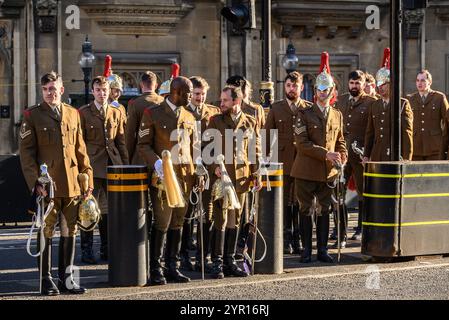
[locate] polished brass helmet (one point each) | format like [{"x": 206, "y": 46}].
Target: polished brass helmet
[
  {"x": 383, "y": 75},
  {"x": 115, "y": 82},
  {"x": 88, "y": 214}
]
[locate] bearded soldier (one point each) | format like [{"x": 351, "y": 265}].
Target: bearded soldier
[
  {"x": 136, "y": 107},
  {"x": 202, "y": 113},
  {"x": 282, "y": 117},
  {"x": 354, "y": 107},
  {"x": 168, "y": 126},
  {"x": 51, "y": 134},
  {"x": 377, "y": 135},
  {"x": 233, "y": 124},
  {"x": 321, "y": 147},
  {"x": 104, "y": 132},
  {"x": 430, "y": 123}
]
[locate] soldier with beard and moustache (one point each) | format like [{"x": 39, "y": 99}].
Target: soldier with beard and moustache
[
  {"x": 354, "y": 107},
  {"x": 282, "y": 117}
]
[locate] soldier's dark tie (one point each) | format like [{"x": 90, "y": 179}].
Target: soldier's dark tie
[
  {"x": 423, "y": 98},
  {"x": 57, "y": 113},
  {"x": 102, "y": 113}
]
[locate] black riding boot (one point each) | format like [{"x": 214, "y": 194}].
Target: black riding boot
[
  {"x": 171, "y": 257},
  {"x": 87, "y": 242},
  {"x": 306, "y": 226},
  {"x": 296, "y": 242},
  {"x": 156, "y": 249},
  {"x": 67, "y": 282},
  {"x": 230, "y": 267},
  {"x": 217, "y": 247},
  {"x": 103, "y": 227},
  {"x": 288, "y": 230},
  {"x": 322, "y": 235},
  {"x": 49, "y": 288},
  {"x": 186, "y": 243}
]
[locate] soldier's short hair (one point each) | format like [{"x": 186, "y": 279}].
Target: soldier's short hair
[
  {"x": 242, "y": 82},
  {"x": 148, "y": 78},
  {"x": 100, "y": 80},
  {"x": 357, "y": 75},
  {"x": 427, "y": 73},
  {"x": 199, "y": 82},
  {"x": 294, "y": 77},
  {"x": 236, "y": 92},
  {"x": 369, "y": 78},
  {"x": 50, "y": 77}
]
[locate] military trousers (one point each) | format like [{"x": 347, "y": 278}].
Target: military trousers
[
  {"x": 307, "y": 191},
  {"x": 165, "y": 217},
  {"x": 65, "y": 211},
  {"x": 224, "y": 218}
]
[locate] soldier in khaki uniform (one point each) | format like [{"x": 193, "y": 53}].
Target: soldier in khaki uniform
[
  {"x": 116, "y": 85},
  {"x": 354, "y": 106},
  {"x": 136, "y": 107},
  {"x": 430, "y": 123},
  {"x": 51, "y": 134},
  {"x": 159, "y": 125},
  {"x": 104, "y": 133},
  {"x": 370, "y": 86},
  {"x": 233, "y": 124},
  {"x": 202, "y": 113},
  {"x": 321, "y": 146},
  {"x": 377, "y": 135},
  {"x": 282, "y": 117}
]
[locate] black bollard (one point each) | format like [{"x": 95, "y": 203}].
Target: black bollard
[
  {"x": 127, "y": 226},
  {"x": 270, "y": 223}
]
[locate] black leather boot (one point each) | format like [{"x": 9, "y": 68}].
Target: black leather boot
[
  {"x": 207, "y": 245},
  {"x": 171, "y": 257},
  {"x": 186, "y": 263},
  {"x": 156, "y": 249},
  {"x": 296, "y": 240},
  {"x": 322, "y": 235},
  {"x": 358, "y": 231},
  {"x": 288, "y": 230},
  {"x": 48, "y": 287},
  {"x": 103, "y": 227},
  {"x": 343, "y": 227},
  {"x": 87, "y": 242},
  {"x": 67, "y": 282},
  {"x": 306, "y": 226},
  {"x": 230, "y": 267},
  {"x": 217, "y": 244}
]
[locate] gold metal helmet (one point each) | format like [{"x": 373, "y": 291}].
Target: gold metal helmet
[
  {"x": 324, "y": 80},
  {"x": 383, "y": 75},
  {"x": 115, "y": 82},
  {"x": 88, "y": 214}
]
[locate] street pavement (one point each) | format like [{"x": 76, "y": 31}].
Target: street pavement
[{"x": 353, "y": 278}]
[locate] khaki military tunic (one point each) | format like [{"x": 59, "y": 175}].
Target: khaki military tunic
[
  {"x": 315, "y": 136},
  {"x": 105, "y": 138},
  {"x": 429, "y": 125},
  {"x": 57, "y": 142},
  {"x": 378, "y": 134},
  {"x": 136, "y": 107},
  {"x": 355, "y": 121},
  {"x": 241, "y": 171},
  {"x": 256, "y": 111},
  {"x": 159, "y": 124},
  {"x": 283, "y": 119}
]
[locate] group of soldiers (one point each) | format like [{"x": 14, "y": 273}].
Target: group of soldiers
[{"x": 316, "y": 142}]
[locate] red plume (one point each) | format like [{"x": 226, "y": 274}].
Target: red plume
[
  {"x": 107, "y": 66},
  {"x": 175, "y": 70},
  {"x": 386, "y": 60},
  {"x": 325, "y": 62}
]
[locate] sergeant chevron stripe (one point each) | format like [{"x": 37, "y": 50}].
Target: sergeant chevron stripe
[
  {"x": 25, "y": 134},
  {"x": 143, "y": 133}
]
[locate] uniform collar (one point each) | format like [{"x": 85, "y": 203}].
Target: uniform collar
[
  {"x": 171, "y": 105},
  {"x": 99, "y": 106}
]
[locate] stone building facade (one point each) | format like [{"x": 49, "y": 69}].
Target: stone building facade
[{"x": 36, "y": 36}]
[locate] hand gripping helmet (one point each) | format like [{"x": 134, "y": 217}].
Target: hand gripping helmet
[
  {"x": 165, "y": 86},
  {"x": 115, "y": 81},
  {"x": 324, "y": 80},
  {"x": 383, "y": 75}
]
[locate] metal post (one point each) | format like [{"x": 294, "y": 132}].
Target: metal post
[
  {"x": 87, "y": 72},
  {"x": 396, "y": 14},
  {"x": 266, "y": 85}
]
